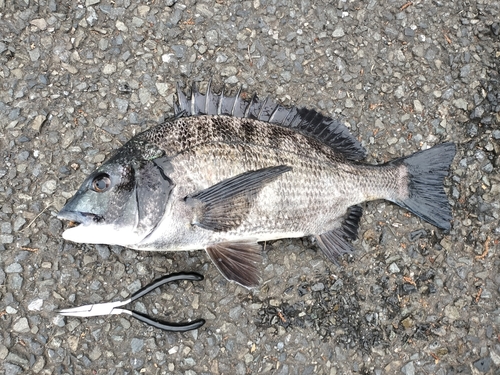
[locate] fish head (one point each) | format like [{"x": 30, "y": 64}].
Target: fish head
[{"x": 120, "y": 203}]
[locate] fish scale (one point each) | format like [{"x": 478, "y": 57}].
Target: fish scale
[{"x": 225, "y": 174}]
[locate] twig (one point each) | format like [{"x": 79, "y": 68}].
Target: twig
[
  {"x": 36, "y": 217},
  {"x": 485, "y": 252},
  {"x": 409, "y": 3}
]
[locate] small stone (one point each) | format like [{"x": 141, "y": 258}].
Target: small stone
[
  {"x": 121, "y": 26},
  {"x": 399, "y": 92},
  {"x": 12, "y": 369},
  {"x": 407, "y": 323},
  {"x": 95, "y": 353},
  {"x": 21, "y": 325},
  {"x": 14, "y": 268},
  {"x": 168, "y": 57},
  {"x": 49, "y": 187},
  {"x": 137, "y": 22},
  {"x": 349, "y": 103},
  {"x": 162, "y": 88},
  {"x": 109, "y": 69},
  {"x": 69, "y": 68},
  {"x": 392, "y": 141},
  {"x": 228, "y": 71},
  {"x": 393, "y": 268},
  {"x": 408, "y": 369},
  {"x": 39, "y": 23},
  {"x": 34, "y": 54},
  {"x": 338, "y": 33},
  {"x": 235, "y": 313},
  {"x": 495, "y": 28},
  {"x": 173, "y": 350},
  {"x": 144, "y": 95},
  {"x": 91, "y": 16},
  {"x": 37, "y": 122},
  {"x": 6, "y": 227},
  {"x": 143, "y": 10},
  {"x": 419, "y": 108},
  {"x": 409, "y": 32},
  {"x": 318, "y": 287},
  {"x": 452, "y": 312},
  {"x": 460, "y": 104},
  {"x": 91, "y": 2},
  {"x": 103, "y": 251},
  {"x": 483, "y": 364},
  {"x": 121, "y": 105},
  {"x": 465, "y": 71},
  {"x": 10, "y": 310},
  {"x": 212, "y": 37},
  {"x": 136, "y": 345},
  {"x": 36, "y": 305}
]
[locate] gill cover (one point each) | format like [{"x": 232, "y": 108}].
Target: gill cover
[{"x": 120, "y": 203}]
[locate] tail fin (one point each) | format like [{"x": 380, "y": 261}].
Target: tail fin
[{"x": 426, "y": 172}]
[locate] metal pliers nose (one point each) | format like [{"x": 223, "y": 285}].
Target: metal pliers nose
[{"x": 111, "y": 308}]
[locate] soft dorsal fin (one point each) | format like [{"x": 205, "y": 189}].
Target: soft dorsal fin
[
  {"x": 329, "y": 131},
  {"x": 336, "y": 242}
]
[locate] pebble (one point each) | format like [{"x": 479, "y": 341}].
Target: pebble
[
  {"x": 39, "y": 23},
  {"x": 21, "y": 325},
  {"x": 14, "y": 268},
  {"x": 408, "y": 369},
  {"x": 49, "y": 187},
  {"x": 36, "y": 305},
  {"x": 144, "y": 95},
  {"x": 338, "y": 33},
  {"x": 12, "y": 369},
  {"x": 121, "y": 105},
  {"x": 121, "y": 26},
  {"x": 212, "y": 37},
  {"x": 228, "y": 70},
  {"x": 460, "y": 104},
  {"x": 419, "y": 108},
  {"x": 318, "y": 287},
  {"x": 393, "y": 268},
  {"x": 483, "y": 364},
  {"x": 109, "y": 69}
]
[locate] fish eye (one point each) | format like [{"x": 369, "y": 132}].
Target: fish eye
[{"x": 101, "y": 183}]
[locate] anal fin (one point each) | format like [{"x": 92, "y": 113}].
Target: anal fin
[
  {"x": 336, "y": 242},
  {"x": 237, "y": 261}
]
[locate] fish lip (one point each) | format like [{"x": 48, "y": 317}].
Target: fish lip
[{"x": 83, "y": 218}]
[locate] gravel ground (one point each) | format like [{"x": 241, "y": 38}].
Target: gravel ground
[{"x": 80, "y": 78}]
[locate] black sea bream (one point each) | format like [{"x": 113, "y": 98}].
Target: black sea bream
[{"x": 226, "y": 173}]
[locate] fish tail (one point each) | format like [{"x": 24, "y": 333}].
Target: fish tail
[{"x": 425, "y": 195}]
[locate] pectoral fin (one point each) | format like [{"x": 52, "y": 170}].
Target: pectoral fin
[
  {"x": 237, "y": 261},
  {"x": 336, "y": 242},
  {"x": 225, "y": 205}
]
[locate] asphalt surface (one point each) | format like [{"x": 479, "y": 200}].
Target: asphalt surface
[{"x": 78, "y": 79}]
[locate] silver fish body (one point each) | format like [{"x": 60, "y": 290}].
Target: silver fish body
[{"x": 226, "y": 174}]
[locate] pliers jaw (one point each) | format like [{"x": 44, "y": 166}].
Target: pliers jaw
[{"x": 95, "y": 309}]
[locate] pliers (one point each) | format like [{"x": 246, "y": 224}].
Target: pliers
[{"x": 111, "y": 308}]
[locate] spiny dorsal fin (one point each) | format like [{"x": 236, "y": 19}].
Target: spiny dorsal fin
[{"x": 330, "y": 131}]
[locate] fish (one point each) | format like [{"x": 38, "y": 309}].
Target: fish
[{"x": 228, "y": 173}]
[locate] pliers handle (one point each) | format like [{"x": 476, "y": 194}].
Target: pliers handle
[{"x": 110, "y": 308}]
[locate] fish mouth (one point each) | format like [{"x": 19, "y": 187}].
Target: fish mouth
[{"x": 76, "y": 218}]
